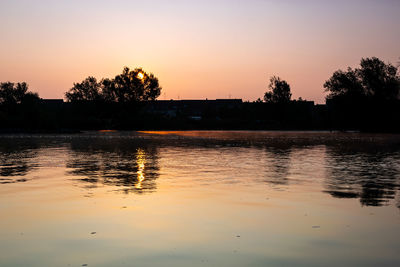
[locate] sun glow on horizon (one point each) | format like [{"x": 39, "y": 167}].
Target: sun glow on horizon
[{"x": 197, "y": 49}]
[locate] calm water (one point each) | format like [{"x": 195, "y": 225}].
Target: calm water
[{"x": 200, "y": 199}]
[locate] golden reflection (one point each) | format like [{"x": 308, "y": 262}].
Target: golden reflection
[
  {"x": 140, "y": 161},
  {"x": 107, "y": 131},
  {"x": 182, "y": 133},
  {"x": 160, "y": 132}
]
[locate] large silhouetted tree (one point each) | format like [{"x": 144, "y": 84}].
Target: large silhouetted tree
[
  {"x": 108, "y": 90},
  {"x": 129, "y": 86},
  {"x": 373, "y": 80},
  {"x": 11, "y": 93},
  {"x": 379, "y": 80},
  {"x": 344, "y": 83},
  {"x": 132, "y": 85},
  {"x": 279, "y": 91},
  {"x": 365, "y": 98},
  {"x": 87, "y": 90}
]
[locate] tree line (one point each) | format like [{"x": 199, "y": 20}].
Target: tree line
[
  {"x": 373, "y": 80},
  {"x": 129, "y": 86},
  {"x": 356, "y": 98},
  {"x": 365, "y": 98}
]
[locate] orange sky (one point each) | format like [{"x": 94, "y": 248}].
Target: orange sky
[{"x": 197, "y": 49}]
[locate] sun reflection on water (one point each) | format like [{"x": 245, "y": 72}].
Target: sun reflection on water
[{"x": 140, "y": 161}]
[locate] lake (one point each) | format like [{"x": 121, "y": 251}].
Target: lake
[{"x": 200, "y": 198}]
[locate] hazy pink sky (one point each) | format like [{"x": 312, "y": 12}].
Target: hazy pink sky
[{"x": 197, "y": 49}]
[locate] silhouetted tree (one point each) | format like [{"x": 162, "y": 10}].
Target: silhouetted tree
[
  {"x": 132, "y": 85},
  {"x": 365, "y": 98},
  {"x": 88, "y": 90},
  {"x": 344, "y": 84},
  {"x": 374, "y": 79},
  {"x": 380, "y": 80},
  {"x": 279, "y": 91},
  {"x": 11, "y": 93},
  {"x": 108, "y": 90}
]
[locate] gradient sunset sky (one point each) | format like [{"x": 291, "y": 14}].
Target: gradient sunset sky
[{"x": 197, "y": 49}]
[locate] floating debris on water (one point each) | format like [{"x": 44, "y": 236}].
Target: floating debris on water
[
  {"x": 316, "y": 226},
  {"x": 93, "y": 233}
]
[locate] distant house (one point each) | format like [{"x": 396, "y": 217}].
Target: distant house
[
  {"x": 193, "y": 109},
  {"x": 52, "y": 102}
]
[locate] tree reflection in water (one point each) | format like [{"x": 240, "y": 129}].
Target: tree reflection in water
[
  {"x": 127, "y": 164},
  {"x": 351, "y": 166},
  {"x": 368, "y": 172},
  {"x": 17, "y": 159},
  {"x": 278, "y": 164}
]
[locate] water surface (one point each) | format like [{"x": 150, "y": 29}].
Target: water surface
[{"x": 200, "y": 198}]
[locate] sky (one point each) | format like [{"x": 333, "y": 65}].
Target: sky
[{"x": 198, "y": 49}]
